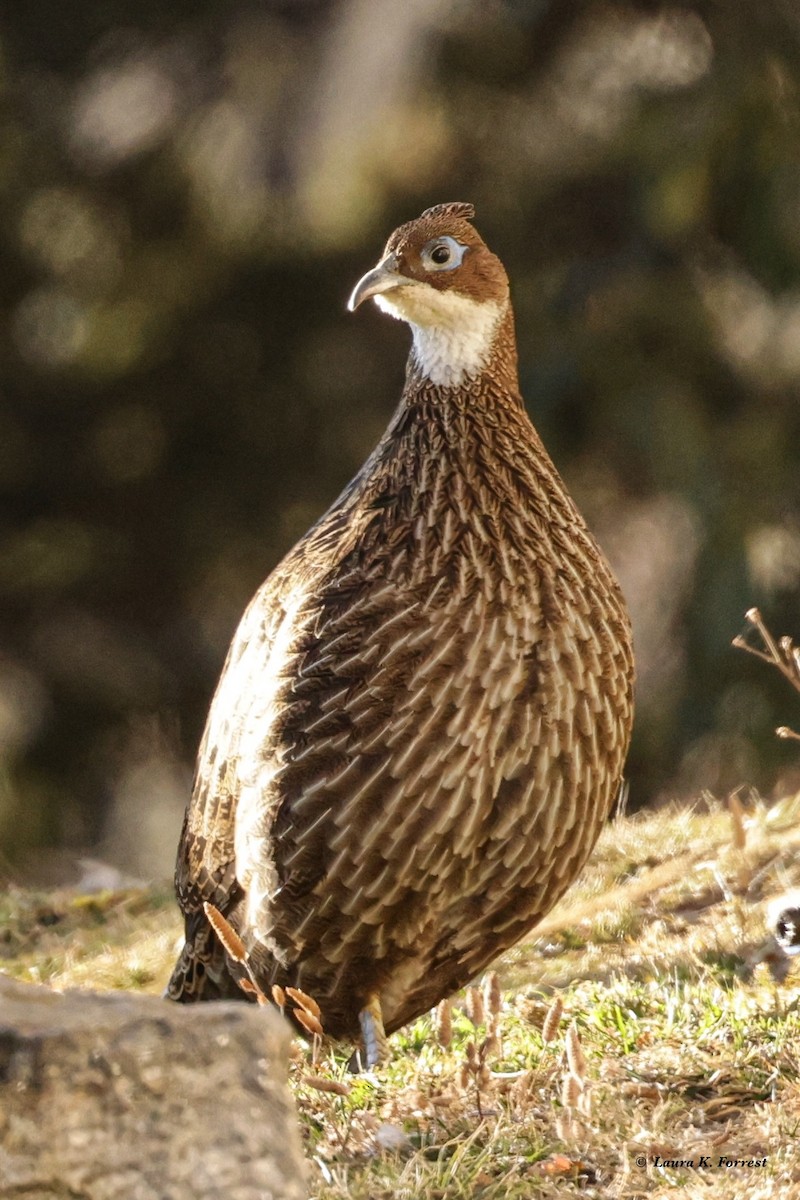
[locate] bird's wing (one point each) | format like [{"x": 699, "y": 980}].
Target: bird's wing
[
  {"x": 206, "y": 859},
  {"x": 240, "y": 749}
]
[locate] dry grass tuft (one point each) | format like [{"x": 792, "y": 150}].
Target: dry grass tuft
[{"x": 645, "y": 1042}]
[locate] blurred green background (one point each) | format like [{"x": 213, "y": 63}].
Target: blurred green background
[{"x": 187, "y": 194}]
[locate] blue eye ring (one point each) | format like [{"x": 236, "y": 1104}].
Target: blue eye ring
[{"x": 442, "y": 254}]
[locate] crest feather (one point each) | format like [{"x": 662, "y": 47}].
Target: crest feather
[{"x": 455, "y": 208}]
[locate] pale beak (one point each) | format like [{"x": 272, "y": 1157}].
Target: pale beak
[{"x": 382, "y": 278}]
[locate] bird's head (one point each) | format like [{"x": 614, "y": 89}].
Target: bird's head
[{"x": 439, "y": 275}]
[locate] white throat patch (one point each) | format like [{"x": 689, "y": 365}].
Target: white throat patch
[{"x": 453, "y": 335}]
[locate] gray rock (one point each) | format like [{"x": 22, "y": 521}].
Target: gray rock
[{"x": 123, "y": 1097}]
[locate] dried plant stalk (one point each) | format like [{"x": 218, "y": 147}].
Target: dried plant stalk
[
  {"x": 304, "y": 1001},
  {"x": 565, "y": 1125},
  {"x": 571, "y": 1089},
  {"x": 738, "y": 831},
  {"x": 308, "y": 1021},
  {"x": 226, "y": 933},
  {"x": 493, "y": 1041},
  {"x": 552, "y": 1020},
  {"x": 444, "y": 1024},
  {"x": 250, "y": 987},
  {"x": 474, "y": 1006},
  {"x": 782, "y": 654},
  {"x": 575, "y": 1058},
  {"x": 492, "y": 996},
  {"x": 326, "y": 1085}
]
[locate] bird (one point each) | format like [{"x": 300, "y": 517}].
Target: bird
[
  {"x": 783, "y": 919},
  {"x": 423, "y": 719}
]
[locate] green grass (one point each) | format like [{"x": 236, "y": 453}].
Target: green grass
[{"x": 686, "y": 1023}]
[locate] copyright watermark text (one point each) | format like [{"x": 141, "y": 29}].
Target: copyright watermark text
[{"x": 700, "y": 1162}]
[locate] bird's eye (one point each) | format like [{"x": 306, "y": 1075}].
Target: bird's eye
[{"x": 442, "y": 254}]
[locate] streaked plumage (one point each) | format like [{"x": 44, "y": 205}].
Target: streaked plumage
[{"x": 424, "y": 715}]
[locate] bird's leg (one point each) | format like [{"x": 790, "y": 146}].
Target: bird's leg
[{"x": 376, "y": 1043}]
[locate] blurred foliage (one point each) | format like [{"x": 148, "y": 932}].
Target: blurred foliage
[{"x": 187, "y": 194}]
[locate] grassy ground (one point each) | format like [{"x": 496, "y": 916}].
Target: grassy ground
[{"x": 647, "y": 1038}]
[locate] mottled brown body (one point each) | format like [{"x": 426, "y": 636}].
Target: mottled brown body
[{"x": 423, "y": 720}]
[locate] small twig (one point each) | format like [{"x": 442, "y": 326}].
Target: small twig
[{"x": 782, "y": 654}]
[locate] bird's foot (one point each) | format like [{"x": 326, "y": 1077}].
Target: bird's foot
[{"x": 376, "y": 1043}]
